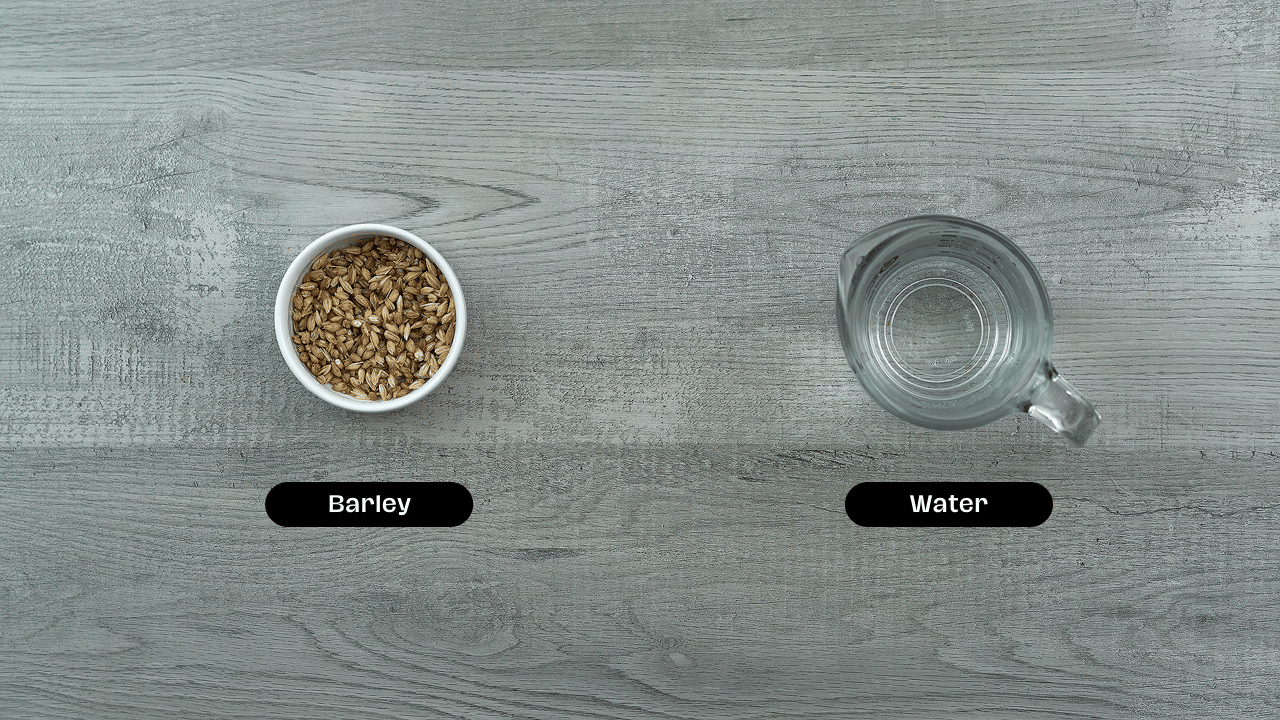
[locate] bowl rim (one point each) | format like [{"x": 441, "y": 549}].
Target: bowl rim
[{"x": 342, "y": 237}]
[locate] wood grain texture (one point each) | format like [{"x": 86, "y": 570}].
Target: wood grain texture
[
  {"x": 652, "y": 411},
  {"x": 919, "y": 36},
  {"x": 698, "y": 581}
]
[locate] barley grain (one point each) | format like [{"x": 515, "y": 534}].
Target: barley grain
[{"x": 402, "y": 332}]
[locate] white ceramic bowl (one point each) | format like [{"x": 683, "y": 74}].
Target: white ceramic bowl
[{"x": 341, "y": 238}]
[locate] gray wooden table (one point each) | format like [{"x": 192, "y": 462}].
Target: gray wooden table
[{"x": 644, "y": 202}]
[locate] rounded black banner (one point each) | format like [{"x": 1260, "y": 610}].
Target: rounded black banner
[
  {"x": 948, "y": 504},
  {"x": 369, "y": 504}
]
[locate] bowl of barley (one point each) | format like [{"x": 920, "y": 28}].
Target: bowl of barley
[{"x": 370, "y": 318}]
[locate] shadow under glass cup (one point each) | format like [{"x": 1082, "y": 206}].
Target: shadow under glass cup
[{"x": 947, "y": 324}]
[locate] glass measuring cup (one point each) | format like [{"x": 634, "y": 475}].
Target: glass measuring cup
[{"x": 947, "y": 325}]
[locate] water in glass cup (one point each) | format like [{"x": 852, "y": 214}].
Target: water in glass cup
[{"x": 947, "y": 324}]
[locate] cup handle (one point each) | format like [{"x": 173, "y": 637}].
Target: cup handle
[{"x": 1054, "y": 402}]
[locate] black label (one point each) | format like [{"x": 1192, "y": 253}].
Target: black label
[
  {"x": 948, "y": 504},
  {"x": 371, "y": 504}
]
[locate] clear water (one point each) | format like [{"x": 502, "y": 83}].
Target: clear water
[
  {"x": 935, "y": 330},
  {"x": 944, "y": 328}
]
